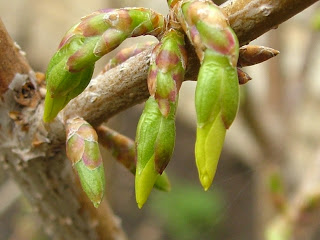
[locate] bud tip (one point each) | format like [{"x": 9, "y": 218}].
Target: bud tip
[
  {"x": 205, "y": 181},
  {"x": 96, "y": 204}
]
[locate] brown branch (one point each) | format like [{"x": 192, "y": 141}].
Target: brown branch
[
  {"x": 40, "y": 170},
  {"x": 11, "y": 60},
  {"x": 252, "y": 18}
]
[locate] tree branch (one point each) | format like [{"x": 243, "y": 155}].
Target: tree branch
[
  {"x": 251, "y": 19},
  {"x": 11, "y": 60},
  {"x": 39, "y": 167}
]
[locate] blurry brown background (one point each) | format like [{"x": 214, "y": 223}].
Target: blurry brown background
[{"x": 277, "y": 132}]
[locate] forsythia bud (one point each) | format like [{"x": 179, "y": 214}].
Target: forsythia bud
[
  {"x": 154, "y": 142},
  {"x": 125, "y": 54},
  {"x": 123, "y": 150},
  {"x": 217, "y": 91},
  {"x": 156, "y": 129},
  {"x": 167, "y": 69},
  {"x": 63, "y": 85},
  {"x": 83, "y": 151},
  {"x": 70, "y": 69}
]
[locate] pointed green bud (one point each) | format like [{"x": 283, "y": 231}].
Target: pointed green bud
[
  {"x": 216, "y": 100},
  {"x": 83, "y": 151},
  {"x": 123, "y": 150},
  {"x": 62, "y": 85},
  {"x": 144, "y": 182},
  {"x": 92, "y": 182},
  {"x": 209, "y": 143},
  {"x": 71, "y": 68},
  {"x": 165, "y": 141},
  {"x": 106, "y": 30},
  {"x": 217, "y": 91},
  {"x": 155, "y": 142}
]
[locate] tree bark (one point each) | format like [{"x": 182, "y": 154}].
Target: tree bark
[
  {"x": 37, "y": 163},
  {"x": 33, "y": 152},
  {"x": 11, "y": 60}
]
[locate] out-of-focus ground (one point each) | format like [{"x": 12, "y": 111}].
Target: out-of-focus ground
[{"x": 277, "y": 128}]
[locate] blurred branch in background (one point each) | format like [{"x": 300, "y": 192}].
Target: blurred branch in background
[{"x": 12, "y": 193}]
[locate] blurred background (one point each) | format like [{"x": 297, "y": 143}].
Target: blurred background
[{"x": 268, "y": 176}]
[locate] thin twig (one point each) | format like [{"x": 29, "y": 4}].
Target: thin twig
[
  {"x": 11, "y": 192},
  {"x": 302, "y": 217}
]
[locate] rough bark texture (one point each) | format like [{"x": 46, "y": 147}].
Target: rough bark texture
[
  {"x": 37, "y": 161},
  {"x": 251, "y": 19},
  {"x": 11, "y": 60},
  {"x": 32, "y": 152}
]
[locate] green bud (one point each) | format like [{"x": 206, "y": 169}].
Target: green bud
[
  {"x": 71, "y": 68},
  {"x": 155, "y": 142},
  {"x": 217, "y": 91},
  {"x": 164, "y": 144},
  {"x": 216, "y": 100},
  {"x": 123, "y": 150},
  {"x": 209, "y": 143},
  {"x": 83, "y": 151},
  {"x": 92, "y": 182},
  {"x": 62, "y": 85}
]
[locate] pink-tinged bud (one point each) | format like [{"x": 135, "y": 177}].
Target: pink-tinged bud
[
  {"x": 71, "y": 68},
  {"x": 207, "y": 28},
  {"x": 167, "y": 70},
  {"x": 127, "y": 53},
  {"x": 83, "y": 151}
]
